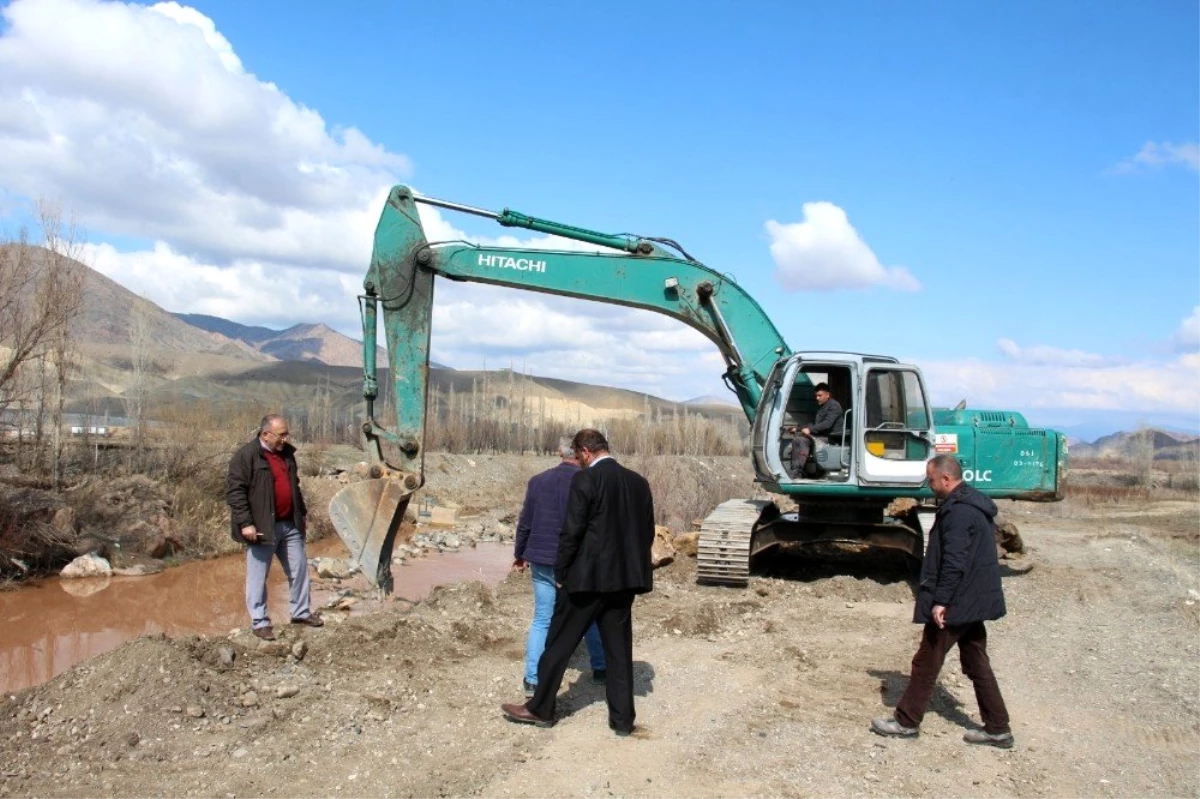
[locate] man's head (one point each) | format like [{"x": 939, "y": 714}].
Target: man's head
[
  {"x": 944, "y": 473},
  {"x": 566, "y": 450},
  {"x": 589, "y": 444},
  {"x": 822, "y": 392},
  {"x": 273, "y": 431}
]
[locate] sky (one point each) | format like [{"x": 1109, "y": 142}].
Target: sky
[{"x": 1005, "y": 194}]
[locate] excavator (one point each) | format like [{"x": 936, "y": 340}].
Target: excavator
[{"x": 846, "y": 493}]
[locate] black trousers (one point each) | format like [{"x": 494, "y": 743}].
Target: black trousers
[{"x": 573, "y": 614}]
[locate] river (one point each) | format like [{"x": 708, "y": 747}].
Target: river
[{"x": 49, "y": 625}]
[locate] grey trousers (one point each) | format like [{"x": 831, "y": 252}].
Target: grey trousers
[{"x": 289, "y": 548}]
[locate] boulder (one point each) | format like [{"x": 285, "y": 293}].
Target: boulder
[
  {"x": 687, "y": 543},
  {"x": 662, "y": 551},
  {"x": 86, "y": 566},
  {"x": 1008, "y": 539}
]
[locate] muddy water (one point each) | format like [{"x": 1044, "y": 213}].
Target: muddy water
[{"x": 49, "y": 626}]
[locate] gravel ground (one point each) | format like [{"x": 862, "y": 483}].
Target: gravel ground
[{"x": 767, "y": 691}]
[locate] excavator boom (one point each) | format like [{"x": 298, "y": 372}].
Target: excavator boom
[{"x": 633, "y": 271}]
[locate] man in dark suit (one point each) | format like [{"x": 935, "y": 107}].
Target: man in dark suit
[{"x": 603, "y": 563}]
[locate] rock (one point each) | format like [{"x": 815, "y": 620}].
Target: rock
[
  {"x": 687, "y": 543},
  {"x": 162, "y": 546},
  {"x": 195, "y": 711},
  {"x": 286, "y": 691},
  {"x": 662, "y": 551},
  {"x": 250, "y": 699},
  {"x": 86, "y": 566},
  {"x": 63, "y": 520},
  {"x": 138, "y": 570},
  {"x": 225, "y": 656},
  {"x": 331, "y": 568},
  {"x": 345, "y": 603},
  {"x": 299, "y": 650},
  {"x": 1007, "y": 536},
  {"x": 275, "y": 648},
  {"x": 132, "y": 739},
  {"x": 240, "y": 752}
]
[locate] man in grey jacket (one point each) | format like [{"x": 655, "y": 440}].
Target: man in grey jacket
[{"x": 960, "y": 590}]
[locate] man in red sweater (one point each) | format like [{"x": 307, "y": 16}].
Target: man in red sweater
[{"x": 268, "y": 515}]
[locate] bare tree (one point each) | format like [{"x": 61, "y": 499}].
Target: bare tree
[
  {"x": 40, "y": 294},
  {"x": 140, "y": 341}
]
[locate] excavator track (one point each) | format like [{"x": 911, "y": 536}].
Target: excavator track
[{"x": 723, "y": 553}]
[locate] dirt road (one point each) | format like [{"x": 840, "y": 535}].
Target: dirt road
[{"x": 766, "y": 691}]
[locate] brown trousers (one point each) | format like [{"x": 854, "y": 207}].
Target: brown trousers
[{"x": 972, "y": 652}]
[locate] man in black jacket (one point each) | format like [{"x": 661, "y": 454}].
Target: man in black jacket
[
  {"x": 603, "y": 563},
  {"x": 268, "y": 515},
  {"x": 960, "y": 590}
]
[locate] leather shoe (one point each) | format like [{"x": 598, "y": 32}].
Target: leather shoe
[
  {"x": 1001, "y": 740},
  {"x": 311, "y": 620},
  {"x": 521, "y": 715},
  {"x": 893, "y": 729},
  {"x": 621, "y": 733},
  {"x": 266, "y": 633}
]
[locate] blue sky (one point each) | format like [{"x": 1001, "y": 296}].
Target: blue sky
[{"x": 1005, "y": 194}]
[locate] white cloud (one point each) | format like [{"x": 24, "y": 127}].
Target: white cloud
[
  {"x": 824, "y": 252},
  {"x": 145, "y": 121},
  {"x": 1042, "y": 355},
  {"x": 1187, "y": 336},
  {"x": 1155, "y": 155},
  {"x": 1137, "y": 389},
  {"x": 246, "y": 291}
]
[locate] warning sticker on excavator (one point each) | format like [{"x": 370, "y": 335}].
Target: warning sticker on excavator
[{"x": 945, "y": 442}]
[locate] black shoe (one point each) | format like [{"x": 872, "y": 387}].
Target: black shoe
[
  {"x": 620, "y": 731},
  {"x": 530, "y": 688},
  {"x": 600, "y": 677}
]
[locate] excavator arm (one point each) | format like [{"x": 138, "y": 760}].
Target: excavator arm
[{"x": 636, "y": 272}]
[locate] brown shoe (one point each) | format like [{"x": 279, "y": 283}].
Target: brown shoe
[
  {"x": 311, "y": 620},
  {"x": 266, "y": 633},
  {"x": 521, "y": 715}
]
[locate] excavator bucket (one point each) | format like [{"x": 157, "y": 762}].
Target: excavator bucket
[{"x": 367, "y": 516}]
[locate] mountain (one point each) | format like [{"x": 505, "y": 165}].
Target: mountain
[
  {"x": 303, "y": 342},
  {"x": 709, "y": 399},
  {"x": 1163, "y": 444}
]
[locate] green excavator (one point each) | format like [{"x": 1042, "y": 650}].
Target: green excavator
[{"x": 846, "y": 494}]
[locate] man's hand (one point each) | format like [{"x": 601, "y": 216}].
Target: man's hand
[
  {"x": 250, "y": 533},
  {"x": 518, "y": 565},
  {"x": 806, "y": 431},
  {"x": 939, "y": 616}
]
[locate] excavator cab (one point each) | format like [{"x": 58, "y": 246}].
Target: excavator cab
[{"x": 887, "y": 425}]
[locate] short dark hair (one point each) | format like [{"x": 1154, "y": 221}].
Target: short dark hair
[
  {"x": 821, "y": 387},
  {"x": 590, "y": 439},
  {"x": 947, "y": 464}
]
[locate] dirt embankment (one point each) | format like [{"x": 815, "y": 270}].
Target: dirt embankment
[{"x": 764, "y": 691}]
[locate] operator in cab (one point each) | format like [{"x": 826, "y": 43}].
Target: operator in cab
[{"x": 828, "y": 424}]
